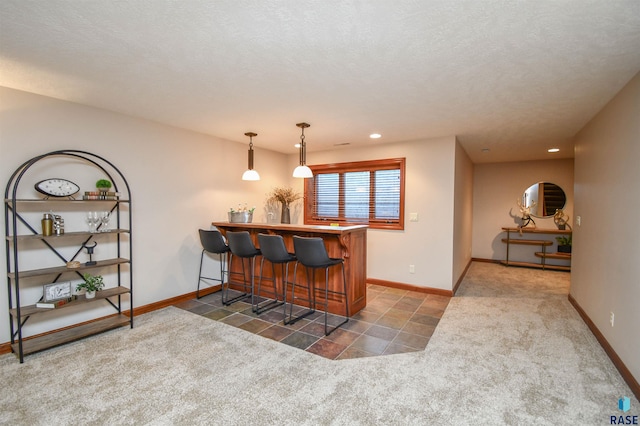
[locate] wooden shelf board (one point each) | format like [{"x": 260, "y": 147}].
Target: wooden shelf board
[
  {"x": 563, "y": 256},
  {"x": 528, "y": 242},
  {"x": 538, "y": 230},
  {"x": 62, "y": 200},
  {"x": 536, "y": 265},
  {"x": 47, "y": 341},
  {"x": 29, "y": 310},
  {"x": 62, "y": 269},
  {"x": 64, "y": 236}
]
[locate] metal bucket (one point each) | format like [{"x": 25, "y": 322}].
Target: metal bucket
[{"x": 240, "y": 217}]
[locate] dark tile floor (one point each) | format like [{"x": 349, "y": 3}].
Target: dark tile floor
[{"x": 394, "y": 321}]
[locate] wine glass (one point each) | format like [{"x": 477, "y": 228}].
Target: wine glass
[
  {"x": 96, "y": 221},
  {"x": 104, "y": 219},
  {"x": 92, "y": 221}
]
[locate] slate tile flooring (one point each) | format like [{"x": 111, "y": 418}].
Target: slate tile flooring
[{"x": 394, "y": 321}]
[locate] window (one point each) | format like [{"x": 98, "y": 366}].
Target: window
[{"x": 364, "y": 192}]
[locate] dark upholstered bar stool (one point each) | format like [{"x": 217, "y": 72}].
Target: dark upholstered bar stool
[
  {"x": 241, "y": 246},
  {"x": 312, "y": 254},
  {"x": 274, "y": 250},
  {"x": 212, "y": 242}
]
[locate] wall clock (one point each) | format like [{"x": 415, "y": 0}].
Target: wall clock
[{"x": 57, "y": 187}]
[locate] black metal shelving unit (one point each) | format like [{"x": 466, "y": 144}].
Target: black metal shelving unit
[{"x": 17, "y": 240}]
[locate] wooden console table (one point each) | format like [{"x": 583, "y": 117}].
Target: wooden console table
[
  {"x": 349, "y": 242},
  {"x": 543, "y": 244}
]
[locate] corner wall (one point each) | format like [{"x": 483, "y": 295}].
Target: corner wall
[
  {"x": 463, "y": 213},
  {"x": 429, "y": 191}
]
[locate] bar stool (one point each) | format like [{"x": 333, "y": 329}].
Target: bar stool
[
  {"x": 274, "y": 250},
  {"x": 241, "y": 246},
  {"x": 312, "y": 254},
  {"x": 212, "y": 242}
]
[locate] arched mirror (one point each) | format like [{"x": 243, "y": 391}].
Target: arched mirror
[{"x": 544, "y": 198}]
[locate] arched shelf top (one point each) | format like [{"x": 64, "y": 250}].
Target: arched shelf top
[{"x": 107, "y": 167}]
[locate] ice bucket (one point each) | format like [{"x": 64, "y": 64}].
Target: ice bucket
[{"x": 240, "y": 217}]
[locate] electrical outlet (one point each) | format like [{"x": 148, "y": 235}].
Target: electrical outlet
[
  {"x": 612, "y": 317},
  {"x": 413, "y": 217},
  {"x": 412, "y": 269}
]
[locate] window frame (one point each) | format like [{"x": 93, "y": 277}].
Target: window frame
[{"x": 355, "y": 166}]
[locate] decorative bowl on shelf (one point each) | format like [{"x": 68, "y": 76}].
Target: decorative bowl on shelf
[
  {"x": 74, "y": 264},
  {"x": 240, "y": 217}
]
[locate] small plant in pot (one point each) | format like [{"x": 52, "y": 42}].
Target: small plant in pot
[
  {"x": 91, "y": 284},
  {"x": 564, "y": 244},
  {"x": 103, "y": 185}
]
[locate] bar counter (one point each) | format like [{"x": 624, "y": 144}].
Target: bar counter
[{"x": 348, "y": 242}]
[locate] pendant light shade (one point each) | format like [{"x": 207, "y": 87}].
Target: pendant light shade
[
  {"x": 250, "y": 174},
  {"x": 302, "y": 171}
]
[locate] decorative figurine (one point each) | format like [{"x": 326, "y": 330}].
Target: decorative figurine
[
  {"x": 90, "y": 253},
  {"x": 561, "y": 220},
  {"x": 526, "y": 214}
]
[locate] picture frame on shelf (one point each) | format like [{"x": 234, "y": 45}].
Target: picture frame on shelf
[{"x": 57, "y": 291}]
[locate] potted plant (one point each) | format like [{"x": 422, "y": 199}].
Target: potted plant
[
  {"x": 564, "y": 244},
  {"x": 91, "y": 284},
  {"x": 285, "y": 196},
  {"x": 103, "y": 185}
]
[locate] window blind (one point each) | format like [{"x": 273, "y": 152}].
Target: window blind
[{"x": 363, "y": 192}]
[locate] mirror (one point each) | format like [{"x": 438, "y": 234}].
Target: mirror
[{"x": 544, "y": 198}]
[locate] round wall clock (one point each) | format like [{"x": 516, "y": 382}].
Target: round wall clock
[{"x": 57, "y": 187}]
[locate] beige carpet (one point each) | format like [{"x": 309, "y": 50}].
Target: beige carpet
[{"x": 509, "y": 349}]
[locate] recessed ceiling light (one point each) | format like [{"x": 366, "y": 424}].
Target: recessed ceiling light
[
  {"x": 297, "y": 145},
  {"x": 485, "y": 150},
  {"x": 375, "y": 135},
  {"x": 553, "y": 150}
]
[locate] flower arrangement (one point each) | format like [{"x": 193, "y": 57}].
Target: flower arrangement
[
  {"x": 242, "y": 209},
  {"x": 242, "y": 214},
  {"x": 284, "y": 195}
]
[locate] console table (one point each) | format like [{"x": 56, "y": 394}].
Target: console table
[
  {"x": 543, "y": 254},
  {"x": 348, "y": 242}
]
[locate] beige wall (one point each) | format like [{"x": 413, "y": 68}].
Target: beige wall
[
  {"x": 200, "y": 179},
  {"x": 463, "y": 213},
  {"x": 606, "y": 270},
  {"x": 429, "y": 191},
  {"x": 496, "y": 188}
]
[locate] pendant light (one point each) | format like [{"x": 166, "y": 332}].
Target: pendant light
[
  {"x": 250, "y": 174},
  {"x": 302, "y": 171}
]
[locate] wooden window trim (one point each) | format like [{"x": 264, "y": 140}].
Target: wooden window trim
[{"x": 371, "y": 165}]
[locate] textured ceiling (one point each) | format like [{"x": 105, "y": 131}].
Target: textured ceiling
[{"x": 514, "y": 77}]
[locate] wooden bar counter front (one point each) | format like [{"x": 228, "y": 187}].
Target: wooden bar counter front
[{"x": 348, "y": 242}]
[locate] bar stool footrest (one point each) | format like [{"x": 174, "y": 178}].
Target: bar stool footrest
[
  {"x": 293, "y": 320},
  {"x": 235, "y": 299},
  {"x": 326, "y": 333},
  {"x": 266, "y": 306}
]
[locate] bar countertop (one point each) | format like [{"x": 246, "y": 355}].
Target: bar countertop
[{"x": 324, "y": 229}]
